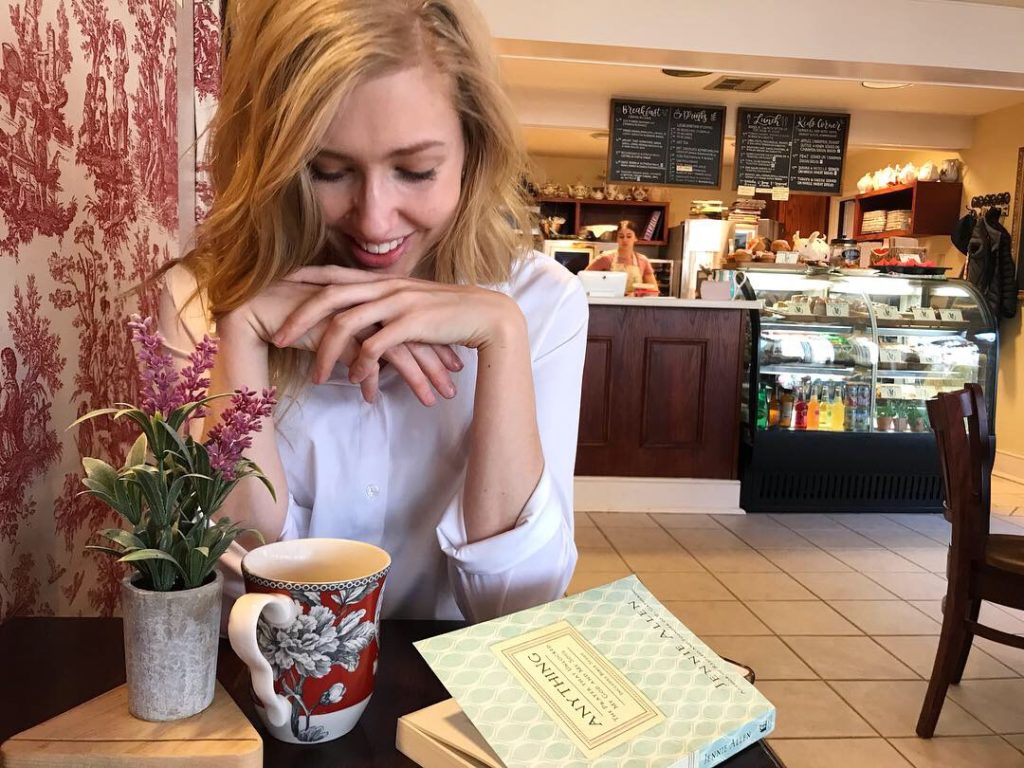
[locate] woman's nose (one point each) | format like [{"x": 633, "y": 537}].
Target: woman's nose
[{"x": 374, "y": 210}]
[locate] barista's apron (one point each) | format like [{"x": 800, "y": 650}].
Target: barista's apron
[{"x": 632, "y": 271}]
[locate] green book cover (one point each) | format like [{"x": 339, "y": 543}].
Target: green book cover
[{"x": 603, "y": 679}]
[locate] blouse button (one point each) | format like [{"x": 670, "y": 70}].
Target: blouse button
[{"x": 372, "y": 491}]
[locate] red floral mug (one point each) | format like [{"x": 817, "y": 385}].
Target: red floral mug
[{"x": 307, "y": 628}]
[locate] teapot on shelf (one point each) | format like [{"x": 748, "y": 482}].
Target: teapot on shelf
[
  {"x": 813, "y": 248},
  {"x": 579, "y": 191},
  {"x": 550, "y": 189},
  {"x": 640, "y": 193}
]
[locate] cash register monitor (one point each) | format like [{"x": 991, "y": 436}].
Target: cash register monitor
[{"x": 603, "y": 285}]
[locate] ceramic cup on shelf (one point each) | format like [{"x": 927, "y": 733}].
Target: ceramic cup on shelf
[{"x": 307, "y": 628}]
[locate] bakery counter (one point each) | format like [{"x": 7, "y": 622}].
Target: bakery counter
[{"x": 662, "y": 388}]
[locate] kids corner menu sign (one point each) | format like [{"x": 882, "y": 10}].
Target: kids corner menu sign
[
  {"x": 666, "y": 144},
  {"x": 799, "y": 151}
]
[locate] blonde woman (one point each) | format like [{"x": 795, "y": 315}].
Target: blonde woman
[
  {"x": 625, "y": 259},
  {"x": 362, "y": 254}
]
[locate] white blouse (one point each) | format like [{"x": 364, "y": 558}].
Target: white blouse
[{"x": 391, "y": 472}]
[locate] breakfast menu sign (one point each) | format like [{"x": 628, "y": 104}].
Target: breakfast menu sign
[
  {"x": 797, "y": 151},
  {"x": 660, "y": 143}
]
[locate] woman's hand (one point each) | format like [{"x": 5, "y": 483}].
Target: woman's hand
[
  {"x": 384, "y": 313},
  {"x": 424, "y": 367}
]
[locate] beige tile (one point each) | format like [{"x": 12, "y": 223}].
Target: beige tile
[
  {"x": 665, "y": 561},
  {"x": 1017, "y": 739},
  {"x": 717, "y": 618},
  {"x": 583, "y": 520},
  {"x": 837, "y": 538},
  {"x": 930, "y": 558},
  {"x": 997, "y": 703},
  {"x": 859, "y": 521},
  {"x": 843, "y": 586},
  {"x": 654, "y": 538},
  {"x": 584, "y": 580},
  {"x": 590, "y": 537},
  {"x": 707, "y": 538},
  {"x": 838, "y": 753},
  {"x": 803, "y": 522},
  {"x": 802, "y": 618},
  {"x": 602, "y": 560},
  {"x": 932, "y": 608},
  {"x": 685, "y": 586},
  {"x": 893, "y": 707},
  {"x": 811, "y": 708},
  {"x": 734, "y": 561},
  {"x": 769, "y": 657},
  {"x": 876, "y": 561},
  {"x": 764, "y": 586},
  {"x": 804, "y": 560},
  {"x": 1006, "y": 654},
  {"x": 849, "y": 658},
  {"x": 779, "y": 537},
  {"x": 959, "y": 752},
  {"x": 901, "y": 537},
  {"x": 622, "y": 520},
  {"x": 886, "y": 617},
  {"x": 918, "y": 652},
  {"x": 687, "y": 520},
  {"x": 991, "y": 615},
  {"x": 911, "y": 586}
]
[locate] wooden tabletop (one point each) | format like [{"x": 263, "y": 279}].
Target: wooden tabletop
[{"x": 53, "y": 664}]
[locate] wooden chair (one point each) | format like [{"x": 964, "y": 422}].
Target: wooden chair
[{"x": 980, "y": 565}]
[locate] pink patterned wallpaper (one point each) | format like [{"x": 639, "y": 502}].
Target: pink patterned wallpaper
[{"x": 88, "y": 206}]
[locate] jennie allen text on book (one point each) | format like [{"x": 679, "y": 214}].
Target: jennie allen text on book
[{"x": 602, "y": 679}]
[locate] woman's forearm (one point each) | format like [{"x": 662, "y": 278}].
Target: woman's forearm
[
  {"x": 242, "y": 362},
  {"x": 505, "y": 455}
]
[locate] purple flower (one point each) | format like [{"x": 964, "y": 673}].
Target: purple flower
[
  {"x": 233, "y": 433},
  {"x": 158, "y": 378},
  {"x": 193, "y": 384}
]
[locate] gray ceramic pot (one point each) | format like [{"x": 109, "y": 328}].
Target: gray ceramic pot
[{"x": 170, "y": 649}]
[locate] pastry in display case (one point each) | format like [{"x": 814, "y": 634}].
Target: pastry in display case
[{"x": 839, "y": 372}]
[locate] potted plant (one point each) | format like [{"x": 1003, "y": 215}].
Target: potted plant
[
  {"x": 883, "y": 417},
  {"x": 901, "y": 418},
  {"x": 168, "y": 492},
  {"x": 918, "y": 419}
]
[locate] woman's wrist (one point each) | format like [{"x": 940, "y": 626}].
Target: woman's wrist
[{"x": 507, "y": 329}]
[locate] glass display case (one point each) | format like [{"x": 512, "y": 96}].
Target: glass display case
[{"x": 838, "y": 378}]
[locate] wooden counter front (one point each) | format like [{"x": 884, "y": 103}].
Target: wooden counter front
[{"x": 661, "y": 391}]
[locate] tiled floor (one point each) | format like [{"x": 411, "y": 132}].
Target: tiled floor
[{"x": 839, "y": 616}]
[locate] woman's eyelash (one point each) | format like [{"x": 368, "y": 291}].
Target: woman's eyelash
[
  {"x": 319, "y": 175},
  {"x": 418, "y": 175}
]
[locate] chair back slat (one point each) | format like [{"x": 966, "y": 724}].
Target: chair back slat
[{"x": 959, "y": 420}]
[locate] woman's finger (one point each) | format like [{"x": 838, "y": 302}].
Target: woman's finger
[
  {"x": 410, "y": 370},
  {"x": 404, "y": 328},
  {"x": 448, "y": 357},
  {"x": 331, "y": 274},
  {"x": 370, "y": 385},
  {"x": 326, "y": 302},
  {"x": 430, "y": 363}
]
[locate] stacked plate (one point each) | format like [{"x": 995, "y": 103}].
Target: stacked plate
[
  {"x": 874, "y": 221},
  {"x": 897, "y": 220}
]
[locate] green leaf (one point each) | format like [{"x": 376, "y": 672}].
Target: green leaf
[
  {"x": 100, "y": 471},
  {"x": 108, "y": 550},
  {"x": 176, "y": 439},
  {"x": 137, "y": 453},
  {"x": 92, "y": 415},
  {"x": 150, "y": 554},
  {"x": 126, "y": 539}
]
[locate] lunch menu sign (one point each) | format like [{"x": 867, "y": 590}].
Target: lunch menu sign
[
  {"x": 654, "y": 142},
  {"x": 798, "y": 151}
]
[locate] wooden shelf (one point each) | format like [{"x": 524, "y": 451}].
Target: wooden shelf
[
  {"x": 583, "y": 213},
  {"x": 934, "y": 208}
]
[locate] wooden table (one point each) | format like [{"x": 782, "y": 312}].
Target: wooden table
[{"x": 53, "y": 664}]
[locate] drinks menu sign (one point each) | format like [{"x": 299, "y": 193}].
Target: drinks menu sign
[
  {"x": 798, "y": 151},
  {"x": 666, "y": 144}
]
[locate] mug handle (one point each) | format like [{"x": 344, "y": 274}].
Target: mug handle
[{"x": 280, "y": 611}]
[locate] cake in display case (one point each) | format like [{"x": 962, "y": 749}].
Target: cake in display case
[{"x": 840, "y": 370}]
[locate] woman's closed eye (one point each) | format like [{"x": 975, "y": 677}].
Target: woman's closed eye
[
  {"x": 319, "y": 174},
  {"x": 408, "y": 175},
  {"x": 404, "y": 174}
]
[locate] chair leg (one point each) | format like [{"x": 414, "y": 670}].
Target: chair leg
[
  {"x": 946, "y": 656},
  {"x": 974, "y": 608}
]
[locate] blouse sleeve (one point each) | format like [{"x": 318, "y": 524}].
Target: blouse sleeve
[{"x": 532, "y": 563}]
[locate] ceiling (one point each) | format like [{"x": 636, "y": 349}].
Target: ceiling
[{"x": 601, "y": 80}]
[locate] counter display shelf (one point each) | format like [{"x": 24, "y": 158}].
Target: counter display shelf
[{"x": 837, "y": 383}]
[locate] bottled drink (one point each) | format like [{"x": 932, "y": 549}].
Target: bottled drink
[
  {"x": 762, "y": 408},
  {"x": 825, "y": 414},
  {"x": 773, "y": 408},
  {"x": 838, "y": 409},
  {"x": 813, "y": 407},
  {"x": 800, "y": 409},
  {"x": 786, "y": 410}
]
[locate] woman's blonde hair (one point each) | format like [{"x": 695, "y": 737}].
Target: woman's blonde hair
[{"x": 289, "y": 66}]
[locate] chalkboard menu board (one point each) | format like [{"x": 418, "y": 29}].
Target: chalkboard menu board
[
  {"x": 658, "y": 143},
  {"x": 801, "y": 151}
]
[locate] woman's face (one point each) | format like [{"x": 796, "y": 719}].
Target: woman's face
[
  {"x": 627, "y": 237},
  {"x": 389, "y": 170}
]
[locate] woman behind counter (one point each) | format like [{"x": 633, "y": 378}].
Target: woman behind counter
[{"x": 625, "y": 259}]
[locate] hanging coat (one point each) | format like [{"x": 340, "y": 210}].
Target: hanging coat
[{"x": 990, "y": 265}]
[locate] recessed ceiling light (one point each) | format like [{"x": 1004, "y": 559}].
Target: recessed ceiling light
[
  {"x": 599, "y": 135},
  {"x": 685, "y": 73},
  {"x": 883, "y": 86}
]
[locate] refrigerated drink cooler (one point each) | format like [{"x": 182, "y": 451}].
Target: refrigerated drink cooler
[{"x": 840, "y": 367}]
